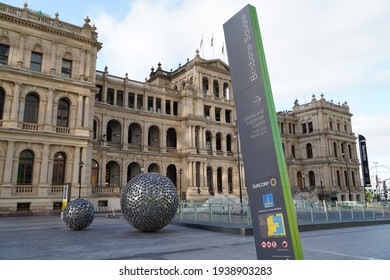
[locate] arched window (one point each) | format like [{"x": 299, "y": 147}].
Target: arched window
[
  {"x": 171, "y": 138},
  {"x": 94, "y": 173},
  {"x": 218, "y": 142},
  {"x": 350, "y": 151},
  {"x": 94, "y": 129},
  {"x": 338, "y": 178},
  {"x": 63, "y": 113},
  {"x": 312, "y": 179},
  {"x": 154, "y": 136},
  {"x": 133, "y": 169},
  {"x": 293, "y": 151},
  {"x": 299, "y": 180},
  {"x": 172, "y": 174},
  {"x": 209, "y": 179},
  {"x": 113, "y": 132},
  {"x": 4, "y": 53},
  {"x": 219, "y": 180},
  {"x": 335, "y": 149},
  {"x": 353, "y": 179},
  {"x": 346, "y": 178},
  {"x": 216, "y": 88},
  {"x": 2, "y": 100},
  {"x": 228, "y": 143},
  {"x": 226, "y": 91},
  {"x": 208, "y": 142},
  {"x": 154, "y": 167},
  {"x": 31, "y": 108},
  {"x": 25, "y": 167},
  {"x": 309, "y": 151},
  {"x": 59, "y": 163},
  {"x": 205, "y": 85},
  {"x": 134, "y": 134},
  {"x": 230, "y": 180}
]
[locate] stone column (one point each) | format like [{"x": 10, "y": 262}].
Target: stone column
[
  {"x": 49, "y": 110},
  {"x": 53, "y": 68},
  {"x": 15, "y": 105},
  {"x": 79, "y": 111},
  {"x": 43, "y": 177},
  {"x": 115, "y": 97},
  {"x": 86, "y": 111},
  {"x": 8, "y": 166},
  {"x": 20, "y": 58},
  {"x": 125, "y": 98}
]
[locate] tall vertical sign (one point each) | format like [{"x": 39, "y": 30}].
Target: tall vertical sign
[
  {"x": 364, "y": 160},
  {"x": 274, "y": 220},
  {"x": 65, "y": 195}
]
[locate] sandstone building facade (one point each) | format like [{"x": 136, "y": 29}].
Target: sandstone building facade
[{"x": 64, "y": 122}]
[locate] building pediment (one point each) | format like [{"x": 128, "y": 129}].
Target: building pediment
[{"x": 216, "y": 65}]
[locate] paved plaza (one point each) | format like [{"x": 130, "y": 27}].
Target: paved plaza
[{"x": 48, "y": 238}]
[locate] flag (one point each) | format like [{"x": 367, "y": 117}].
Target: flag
[
  {"x": 201, "y": 42},
  {"x": 223, "y": 47},
  {"x": 212, "y": 37}
]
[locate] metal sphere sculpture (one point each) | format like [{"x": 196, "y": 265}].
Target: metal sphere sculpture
[
  {"x": 149, "y": 202},
  {"x": 79, "y": 214}
]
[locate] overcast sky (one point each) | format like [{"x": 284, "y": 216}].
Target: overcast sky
[{"x": 340, "y": 48}]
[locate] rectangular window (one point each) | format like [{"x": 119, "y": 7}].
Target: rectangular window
[
  {"x": 36, "y": 61},
  {"x": 131, "y": 100},
  {"x": 4, "y": 52},
  {"x": 207, "y": 112},
  {"x": 310, "y": 126},
  {"x": 98, "y": 96},
  {"x": 218, "y": 114},
  {"x": 66, "y": 69},
  {"x": 158, "y": 105},
  {"x": 175, "y": 108},
  {"x": 150, "y": 104},
  {"x": 168, "y": 107},
  {"x": 140, "y": 101},
  {"x": 228, "y": 114},
  {"x": 304, "y": 130},
  {"x": 110, "y": 96},
  {"x": 119, "y": 98}
]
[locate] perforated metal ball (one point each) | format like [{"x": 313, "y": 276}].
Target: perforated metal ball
[
  {"x": 79, "y": 214},
  {"x": 149, "y": 202}
]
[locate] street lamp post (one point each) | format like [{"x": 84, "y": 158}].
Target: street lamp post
[
  {"x": 385, "y": 190},
  {"x": 81, "y": 164},
  {"x": 378, "y": 187},
  {"x": 181, "y": 194},
  {"x": 239, "y": 164},
  {"x": 347, "y": 170},
  {"x": 304, "y": 183}
]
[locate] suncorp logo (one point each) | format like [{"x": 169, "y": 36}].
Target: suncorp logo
[{"x": 272, "y": 182}]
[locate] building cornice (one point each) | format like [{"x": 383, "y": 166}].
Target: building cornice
[{"x": 44, "y": 23}]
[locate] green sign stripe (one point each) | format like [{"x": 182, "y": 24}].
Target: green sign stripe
[{"x": 276, "y": 135}]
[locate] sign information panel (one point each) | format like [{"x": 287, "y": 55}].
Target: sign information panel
[
  {"x": 364, "y": 160},
  {"x": 273, "y": 216}
]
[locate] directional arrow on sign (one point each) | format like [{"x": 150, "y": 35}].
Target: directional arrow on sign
[{"x": 258, "y": 100}]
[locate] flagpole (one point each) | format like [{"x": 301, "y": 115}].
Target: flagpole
[
  {"x": 201, "y": 47},
  {"x": 223, "y": 52},
  {"x": 212, "y": 43}
]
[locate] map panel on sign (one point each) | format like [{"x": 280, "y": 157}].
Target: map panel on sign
[{"x": 272, "y": 225}]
